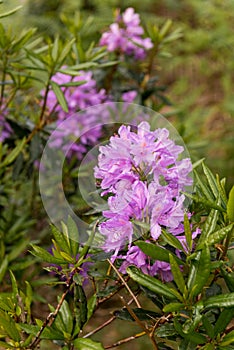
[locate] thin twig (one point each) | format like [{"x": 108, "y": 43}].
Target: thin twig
[
  {"x": 125, "y": 340},
  {"x": 140, "y": 324},
  {"x": 100, "y": 327},
  {"x": 52, "y": 316},
  {"x": 126, "y": 285},
  {"x": 104, "y": 324}
]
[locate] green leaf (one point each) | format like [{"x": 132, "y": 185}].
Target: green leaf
[
  {"x": 177, "y": 275},
  {"x": 172, "y": 240},
  {"x": 193, "y": 336},
  {"x": 230, "y": 205},
  {"x": 87, "y": 344},
  {"x": 188, "y": 232},
  {"x": 229, "y": 279},
  {"x": 150, "y": 282},
  {"x": 3, "y": 267},
  {"x": 9, "y": 326},
  {"x": 211, "y": 180},
  {"x": 221, "y": 300},
  {"x": 142, "y": 314},
  {"x": 91, "y": 305},
  {"x": 80, "y": 303},
  {"x": 204, "y": 188},
  {"x": 15, "y": 290},
  {"x": 199, "y": 271},
  {"x": 48, "y": 332},
  {"x": 73, "y": 83},
  {"x": 55, "y": 49},
  {"x": 11, "y": 12},
  {"x": 156, "y": 252},
  {"x": 14, "y": 154},
  {"x": 60, "y": 239},
  {"x": 216, "y": 237},
  {"x": 73, "y": 236},
  {"x": 45, "y": 256},
  {"x": 225, "y": 317},
  {"x": 6, "y": 345},
  {"x": 208, "y": 327},
  {"x": 65, "y": 51},
  {"x": 204, "y": 201},
  {"x": 209, "y": 226},
  {"x": 64, "y": 319},
  {"x": 173, "y": 307},
  {"x": 166, "y": 330},
  {"x": 60, "y": 96},
  {"x": 228, "y": 339}
]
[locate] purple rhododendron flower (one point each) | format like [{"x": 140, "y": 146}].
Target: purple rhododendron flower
[
  {"x": 77, "y": 97},
  {"x": 140, "y": 172},
  {"x": 125, "y": 36},
  {"x": 5, "y": 129},
  {"x": 81, "y": 125}
]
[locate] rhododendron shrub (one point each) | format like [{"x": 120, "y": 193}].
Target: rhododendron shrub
[{"x": 100, "y": 205}]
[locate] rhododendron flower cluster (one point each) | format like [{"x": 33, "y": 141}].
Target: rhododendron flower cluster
[
  {"x": 126, "y": 36},
  {"x": 143, "y": 179}
]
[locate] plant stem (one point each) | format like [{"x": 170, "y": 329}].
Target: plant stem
[
  {"x": 125, "y": 340},
  {"x": 125, "y": 284}
]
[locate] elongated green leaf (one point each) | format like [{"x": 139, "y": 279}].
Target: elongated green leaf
[
  {"x": 73, "y": 83},
  {"x": 55, "y": 49},
  {"x": 177, "y": 274},
  {"x": 204, "y": 188},
  {"x": 80, "y": 302},
  {"x": 65, "y": 51},
  {"x": 3, "y": 267},
  {"x": 14, "y": 154},
  {"x": 188, "y": 232},
  {"x": 156, "y": 252},
  {"x": 142, "y": 314},
  {"x": 11, "y": 12},
  {"x": 208, "y": 326},
  {"x": 60, "y": 96},
  {"x": 48, "y": 332},
  {"x": 6, "y": 345},
  {"x": 45, "y": 256},
  {"x": 193, "y": 336},
  {"x": 64, "y": 319},
  {"x": 221, "y": 300},
  {"x": 216, "y": 237},
  {"x": 211, "y": 180},
  {"x": 199, "y": 271},
  {"x": 172, "y": 240},
  {"x": 60, "y": 239},
  {"x": 204, "y": 201},
  {"x": 230, "y": 205},
  {"x": 91, "y": 305},
  {"x": 228, "y": 339},
  {"x": 223, "y": 320},
  {"x": 150, "y": 282},
  {"x": 87, "y": 344},
  {"x": 209, "y": 226},
  {"x": 173, "y": 307},
  {"x": 73, "y": 234},
  {"x": 9, "y": 326},
  {"x": 221, "y": 188},
  {"x": 229, "y": 279}
]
